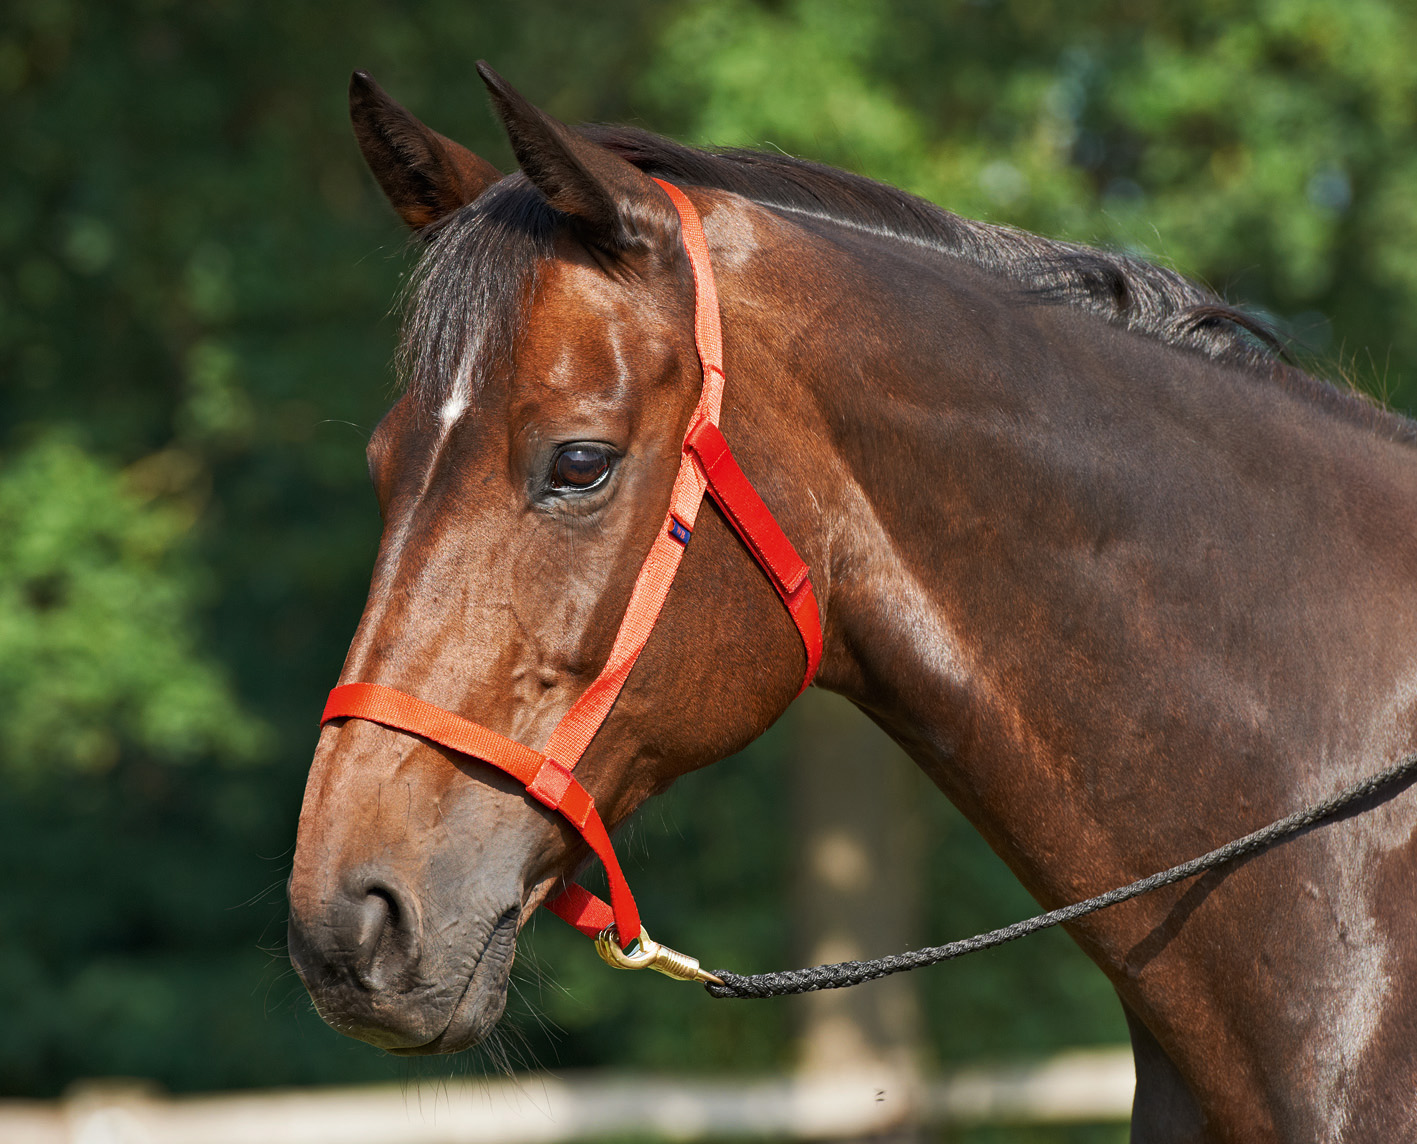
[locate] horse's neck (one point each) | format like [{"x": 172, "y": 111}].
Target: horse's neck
[
  {"x": 1068, "y": 566},
  {"x": 1122, "y": 604}
]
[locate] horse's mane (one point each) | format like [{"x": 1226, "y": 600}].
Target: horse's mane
[
  {"x": 1129, "y": 291},
  {"x": 459, "y": 316}
]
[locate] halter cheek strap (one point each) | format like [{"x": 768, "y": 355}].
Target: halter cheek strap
[{"x": 706, "y": 465}]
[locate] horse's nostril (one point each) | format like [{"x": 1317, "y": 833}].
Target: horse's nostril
[
  {"x": 365, "y": 935},
  {"x": 385, "y": 933},
  {"x": 358, "y": 948},
  {"x": 378, "y": 910}
]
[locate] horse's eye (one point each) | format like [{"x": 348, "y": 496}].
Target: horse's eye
[{"x": 579, "y": 467}]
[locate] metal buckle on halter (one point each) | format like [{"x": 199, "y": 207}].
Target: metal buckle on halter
[{"x": 646, "y": 953}]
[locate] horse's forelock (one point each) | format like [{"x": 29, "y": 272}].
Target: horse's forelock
[{"x": 463, "y": 306}]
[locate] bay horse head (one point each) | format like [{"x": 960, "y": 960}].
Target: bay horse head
[{"x": 522, "y": 478}]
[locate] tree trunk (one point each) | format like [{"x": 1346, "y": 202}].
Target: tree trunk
[{"x": 856, "y": 800}]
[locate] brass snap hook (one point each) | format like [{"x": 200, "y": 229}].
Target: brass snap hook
[{"x": 646, "y": 953}]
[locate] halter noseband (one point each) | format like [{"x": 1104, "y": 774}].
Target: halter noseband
[{"x": 706, "y": 465}]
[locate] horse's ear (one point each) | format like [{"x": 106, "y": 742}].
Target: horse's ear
[
  {"x": 426, "y": 176},
  {"x": 617, "y": 206}
]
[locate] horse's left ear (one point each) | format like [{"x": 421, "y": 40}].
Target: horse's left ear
[{"x": 617, "y": 206}]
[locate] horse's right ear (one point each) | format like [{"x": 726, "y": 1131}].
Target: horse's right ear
[
  {"x": 426, "y": 176},
  {"x": 615, "y": 205}
]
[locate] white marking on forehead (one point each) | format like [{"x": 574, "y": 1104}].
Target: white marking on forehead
[
  {"x": 460, "y": 392},
  {"x": 454, "y": 407}
]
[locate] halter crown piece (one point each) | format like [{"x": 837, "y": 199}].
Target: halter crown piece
[{"x": 706, "y": 465}]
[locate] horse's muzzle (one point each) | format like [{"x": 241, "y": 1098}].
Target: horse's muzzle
[{"x": 362, "y": 954}]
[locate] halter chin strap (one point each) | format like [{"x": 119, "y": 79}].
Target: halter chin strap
[{"x": 706, "y": 466}]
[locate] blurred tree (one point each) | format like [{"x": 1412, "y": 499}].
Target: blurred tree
[
  {"x": 1264, "y": 149},
  {"x": 857, "y": 891},
  {"x": 96, "y": 622}
]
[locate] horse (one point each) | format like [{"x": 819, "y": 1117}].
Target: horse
[{"x": 1120, "y": 579}]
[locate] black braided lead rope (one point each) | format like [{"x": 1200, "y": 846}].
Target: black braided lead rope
[{"x": 855, "y": 972}]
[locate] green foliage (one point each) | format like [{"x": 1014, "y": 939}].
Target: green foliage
[
  {"x": 144, "y": 934},
  {"x": 195, "y": 284},
  {"x": 96, "y": 618},
  {"x": 1264, "y": 153}
]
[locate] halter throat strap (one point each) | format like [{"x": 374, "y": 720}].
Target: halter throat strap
[{"x": 707, "y": 466}]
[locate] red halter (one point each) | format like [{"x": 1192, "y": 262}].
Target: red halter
[{"x": 706, "y": 465}]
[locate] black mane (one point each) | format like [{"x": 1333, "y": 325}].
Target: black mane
[
  {"x": 1129, "y": 291},
  {"x": 461, "y": 314}
]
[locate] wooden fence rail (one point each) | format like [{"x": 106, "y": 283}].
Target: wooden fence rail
[{"x": 1094, "y": 1085}]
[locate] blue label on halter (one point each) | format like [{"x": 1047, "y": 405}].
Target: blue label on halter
[{"x": 679, "y": 530}]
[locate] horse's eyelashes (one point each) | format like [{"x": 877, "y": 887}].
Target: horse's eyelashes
[{"x": 580, "y": 467}]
